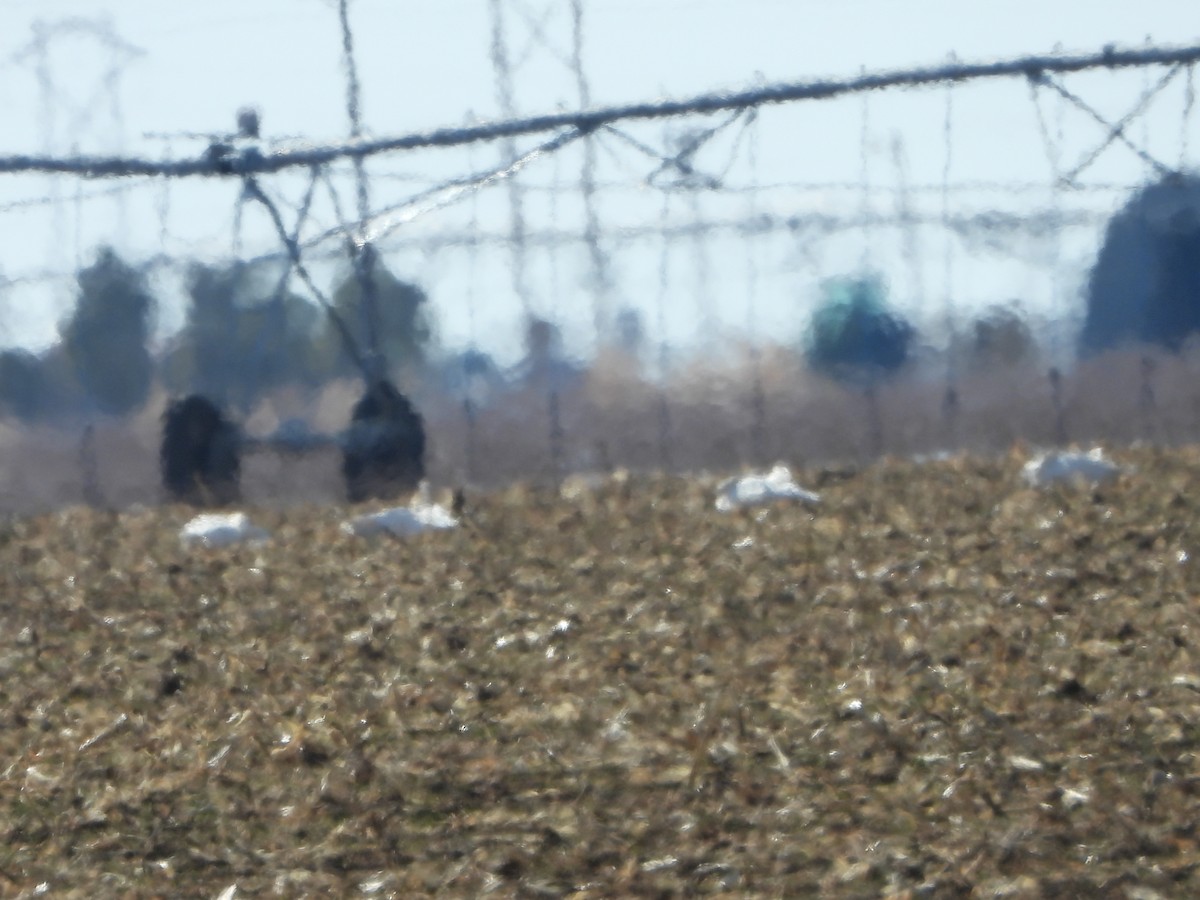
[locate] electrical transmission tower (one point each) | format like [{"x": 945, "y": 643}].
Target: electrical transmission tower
[
  {"x": 527, "y": 37},
  {"x": 78, "y": 108}
]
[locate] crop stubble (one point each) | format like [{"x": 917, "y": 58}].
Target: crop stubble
[{"x": 939, "y": 682}]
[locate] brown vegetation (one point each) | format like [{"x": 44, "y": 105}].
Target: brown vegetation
[{"x": 716, "y": 416}]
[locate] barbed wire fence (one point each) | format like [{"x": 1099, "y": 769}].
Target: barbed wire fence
[{"x": 661, "y": 210}]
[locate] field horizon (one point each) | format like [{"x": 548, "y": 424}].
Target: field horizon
[{"x": 745, "y": 411}]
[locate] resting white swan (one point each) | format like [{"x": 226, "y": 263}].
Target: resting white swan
[
  {"x": 222, "y": 530},
  {"x": 402, "y": 521},
  {"x": 1090, "y": 467},
  {"x": 754, "y": 489}
]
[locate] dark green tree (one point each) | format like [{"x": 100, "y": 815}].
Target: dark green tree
[
  {"x": 854, "y": 336},
  {"x": 244, "y": 334},
  {"x": 1145, "y": 285},
  {"x": 404, "y": 332},
  {"x": 630, "y": 332},
  {"x": 106, "y": 339},
  {"x": 23, "y": 388},
  {"x": 1001, "y": 338}
]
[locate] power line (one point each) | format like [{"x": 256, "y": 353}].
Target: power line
[{"x": 1040, "y": 222}]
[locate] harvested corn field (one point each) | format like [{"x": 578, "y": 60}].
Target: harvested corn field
[{"x": 937, "y": 681}]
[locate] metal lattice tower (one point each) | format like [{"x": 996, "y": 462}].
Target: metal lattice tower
[
  {"x": 101, "y": 105},
  {"x": 70, "y": 119},
  {"x": 527, "y": 36}
]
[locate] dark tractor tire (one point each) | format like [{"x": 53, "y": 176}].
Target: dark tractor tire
[
  {"x": 200, "y": 456},
  {"x": 383, "y": 454}
]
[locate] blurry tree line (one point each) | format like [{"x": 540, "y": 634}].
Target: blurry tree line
[{"x": 246, "y": 333}]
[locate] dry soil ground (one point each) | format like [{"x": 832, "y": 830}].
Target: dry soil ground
[{"x": 938, "y": 683}]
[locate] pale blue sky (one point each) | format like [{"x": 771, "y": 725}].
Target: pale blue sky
[{"x": 426, "y": 64}]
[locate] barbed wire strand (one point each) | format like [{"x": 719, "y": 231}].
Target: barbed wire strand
[
  {"x": 807, "y": 226},
  {"x": 28, "y": 203},
  {"x": 974, "y": 186}
]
